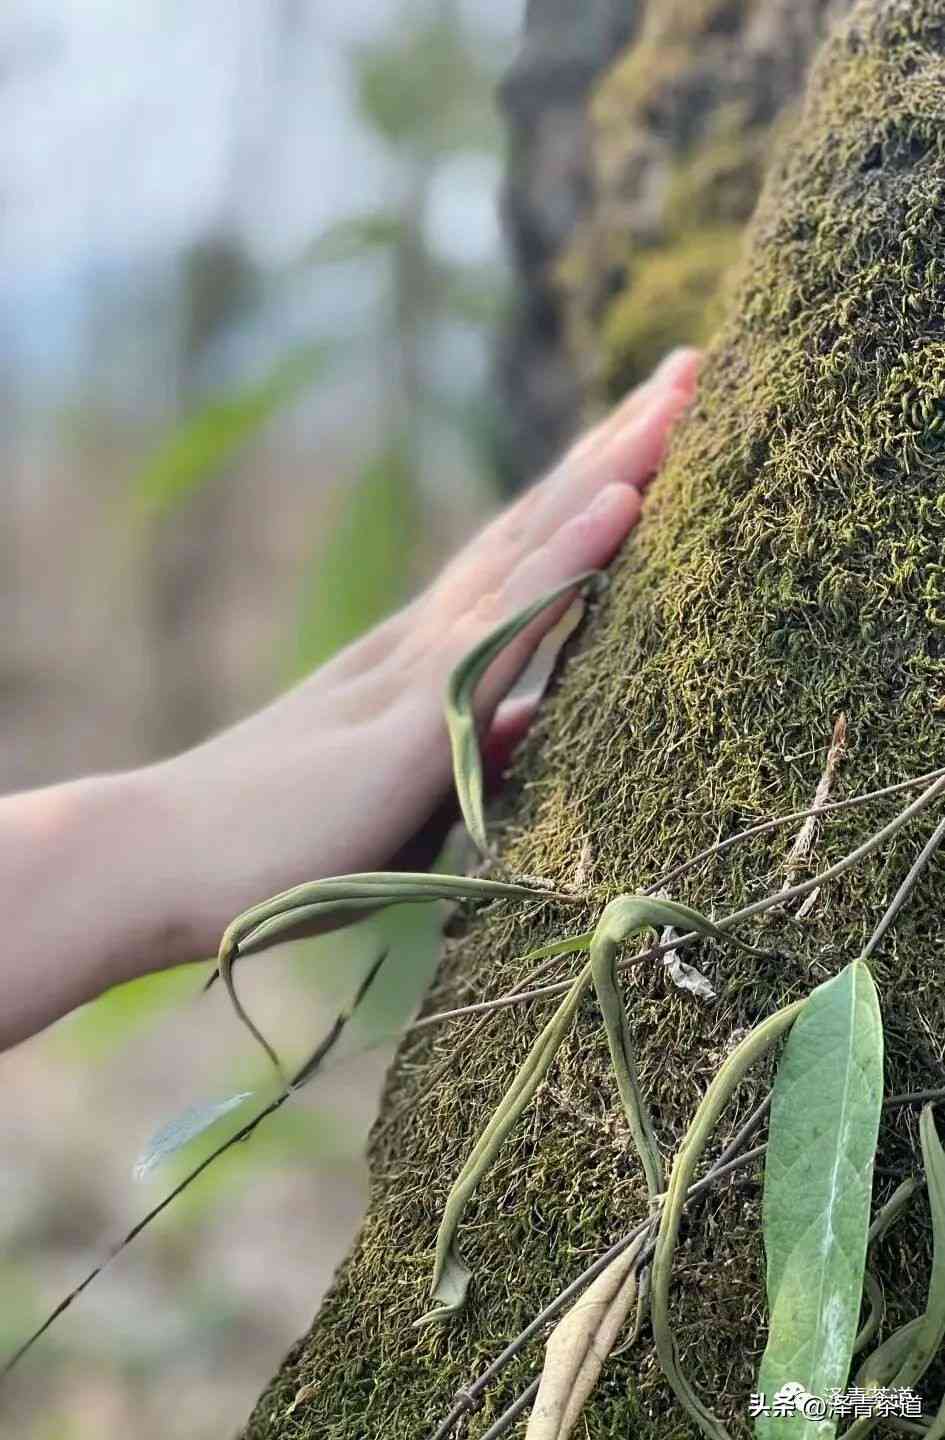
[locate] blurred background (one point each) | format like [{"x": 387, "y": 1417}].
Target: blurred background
[{"x": 251, "y": 283}]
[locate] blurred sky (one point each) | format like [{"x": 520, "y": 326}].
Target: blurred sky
[{"x": 128, "y": 131}]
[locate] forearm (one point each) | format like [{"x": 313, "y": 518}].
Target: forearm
[{"x": 88, "y": 895}]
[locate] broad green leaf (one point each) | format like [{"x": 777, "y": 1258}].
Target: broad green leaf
[
  {"x": 818, "y": 1181},
  {"x": 202, "y": 443},
  {"x": 185, "y": 1127},
  {"x": 460, "y": 721}
]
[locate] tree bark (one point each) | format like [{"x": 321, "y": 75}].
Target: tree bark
[{"x": 789, "y": 571}]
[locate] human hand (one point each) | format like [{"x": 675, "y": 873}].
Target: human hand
[
  {"x": 106, "y": 878},
  {"x": 350, "y": 771}
]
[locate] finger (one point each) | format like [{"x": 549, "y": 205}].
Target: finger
[
  {"x": 509, "y": 726},
  {"x": 629, "y": 457},
  {"x": 679, "y": 368},
  {"x": 626, "y": 446}
]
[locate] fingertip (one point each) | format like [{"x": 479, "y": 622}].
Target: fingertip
[
  {"x": 680, "y": 364},
  {"x": 636, "y": 452}
]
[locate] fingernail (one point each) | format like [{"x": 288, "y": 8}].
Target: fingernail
[{"x": 679, "y": 359}]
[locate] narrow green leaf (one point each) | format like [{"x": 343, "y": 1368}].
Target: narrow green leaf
[
  {"x": 622, "y": 918},
  {"x": 460, "y": 721},
  {"x": 381, "y": 522},
  {"x": 879, "y": 1368},
  {"x": 185, "y": 1127},
  {"x": 450, "y": 1275},
  {"x": 339, "y": 896},
  {"x": 203, "y": 442},
  {"x": 818, "y": 1180},
  {"x": 905, "y": 1357},
  {"x": 931, "y": 1334}
]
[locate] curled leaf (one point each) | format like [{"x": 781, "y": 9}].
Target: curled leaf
[
  {"x": 876, "y": 1297},
  {"x": 623, "y": 917},
  {"x": 450, "y": 1275},
  {"x": 180, "y": 1131},
  {"x": 351, "y": 896},
  {"x": 915, "y": 1345},
  {"x": 458, "y": 705},
  {"x": 579, "y": 1345}
]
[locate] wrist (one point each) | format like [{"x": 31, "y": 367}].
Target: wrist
[
  {"x": 88, "y": 890},
  {"x": 124, "y": 826}
]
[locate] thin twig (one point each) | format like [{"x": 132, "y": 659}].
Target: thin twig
[
  {"x": 905, "y": 890},
  {"x": 727, "y": 1163},
  {"x": 765, "y": 826},
  {"x": 509, "y": 1416},
  {"x": 770, "y": 902},
  {"x": 805, "y": 836},
  {"x": 301, "y": 1077}
]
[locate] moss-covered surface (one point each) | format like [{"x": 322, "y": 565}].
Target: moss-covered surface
[
  {"x": 682, "y": 130},
  {"x": 790, "y": 569}
]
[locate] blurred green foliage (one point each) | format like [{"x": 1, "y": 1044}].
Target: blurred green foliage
[
  {"x": 360, "y": 571},
  {"x": 201, "y": 445},
  {"x": 424, "y": 87},
  {"x": 425, "y": 90}
]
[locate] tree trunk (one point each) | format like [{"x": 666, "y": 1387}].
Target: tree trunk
[{"x": 789, "y": 572}]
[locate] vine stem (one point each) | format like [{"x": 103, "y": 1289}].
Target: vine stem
[{"x": 728, "y": 1162}]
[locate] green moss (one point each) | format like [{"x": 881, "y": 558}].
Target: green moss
[
  {"x": 682, "y": 129},
  {"x": 790, "y": 569},
  {"x": 672, "y": 299}
]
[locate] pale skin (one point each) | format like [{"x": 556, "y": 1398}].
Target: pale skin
[{"x": 109, "y": 877}]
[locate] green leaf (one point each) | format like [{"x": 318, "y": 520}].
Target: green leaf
[
  {"x": 747, "y": 1053},
  {"x": 185, "y": 1127},
  {"x": 458, "y": 704},
  {"x": 915, "y": 1345},
  {"x": 345, "y": 899},
  {"x": 195, "y": 451},
  {"x": 425, "y": 90},
  {"x": 931, "y": 1333},
  {"x": 818, "y": 1181},
  {"x": 361, "y": 570},
  {"x": 355, "y": 237},
  {"x": 450, "y": 1275},
  {"x": 903, "y": 1358},
  {"x": 622, "y": 918}
]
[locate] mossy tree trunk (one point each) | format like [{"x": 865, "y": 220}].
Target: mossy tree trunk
[{"x": 790, "y": 571}]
